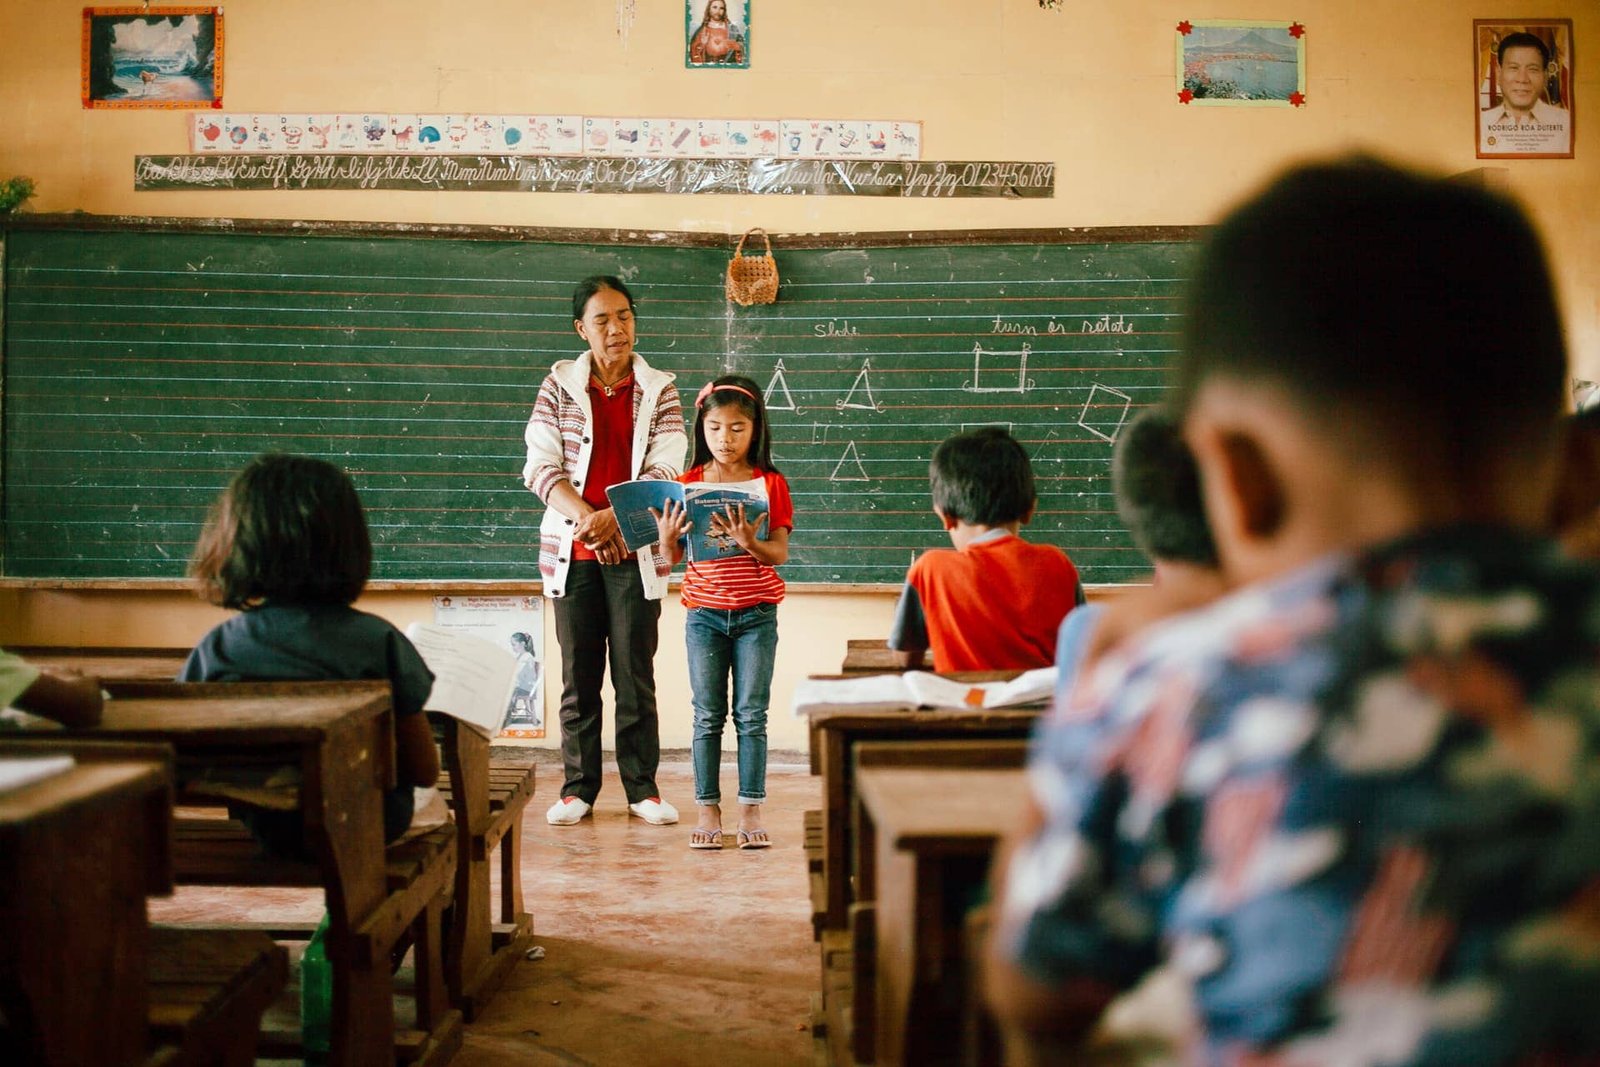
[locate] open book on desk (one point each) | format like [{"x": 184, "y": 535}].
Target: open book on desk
[
  {"x": 923, "y": 689},
  {"x": 472, "y": 678},
  {"x": 632, "y": 502}
]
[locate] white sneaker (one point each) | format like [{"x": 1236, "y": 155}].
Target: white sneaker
[
  {"x": 655, "y": 811},
  {"x": 567, "y": 811}
]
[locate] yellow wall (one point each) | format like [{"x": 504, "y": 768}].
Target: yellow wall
[{"x": 1090, "y": 88}]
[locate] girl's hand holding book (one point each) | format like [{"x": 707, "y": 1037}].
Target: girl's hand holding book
[
  {"x": 731, "y": 522},
  {"x": 672, "y": 524}
]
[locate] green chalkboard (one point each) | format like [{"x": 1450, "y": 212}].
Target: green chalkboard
[{"x": 145, "y": 362}]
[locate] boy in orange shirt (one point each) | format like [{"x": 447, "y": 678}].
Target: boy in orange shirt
[{"x": 995, "y": 602}]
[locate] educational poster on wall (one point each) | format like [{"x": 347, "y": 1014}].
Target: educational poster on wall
[
  {"x": 1234, "y": 63},
  {"x": 336, "y": 133},
  {"x": 1525, "y": 88},
  {"x": 717, "y": 34},
  {"x": 514, "y": 622},
  {"x": 152, "y": 57}
]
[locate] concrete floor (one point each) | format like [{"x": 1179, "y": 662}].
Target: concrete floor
[{"x": 655, "y": 953}]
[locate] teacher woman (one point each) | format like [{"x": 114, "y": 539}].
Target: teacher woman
[{"x": 603, "y": 418}]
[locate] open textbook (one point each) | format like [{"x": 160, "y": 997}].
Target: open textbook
[
  {"x": 472, "y": 678},
  {"x": 922, "y": 689},
  {"x": 25, "y": 770},
  {"x": 632, "y": 502}
]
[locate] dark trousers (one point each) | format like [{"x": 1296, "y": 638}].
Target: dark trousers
[{"x": 605, "y": 611}]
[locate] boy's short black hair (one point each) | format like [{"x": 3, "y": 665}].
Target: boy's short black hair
[
  {"x": 289, "y": 530},
  {"x": 1416, "y": 315},
  {"x": 1157, "y": 485},
  {"x": 983, "y": 477}
]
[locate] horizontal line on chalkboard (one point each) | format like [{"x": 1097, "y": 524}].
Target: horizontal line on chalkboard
[
  {"x": 334, "y": 327},
  {"x": 716, "y": 285},
  {"x": 783, "y": 305},
  {"x": 409, "y": 328},
  {"x": 784, "y": 320},
  {"x": 190, "y": 379},
  {"x": 775, "y": 314},
  {"x": 981, "y": 398},
  {"x": 561, "y": 299},
  {"x": 302, "y": 345},
  {"x": 877, "y": 283}
]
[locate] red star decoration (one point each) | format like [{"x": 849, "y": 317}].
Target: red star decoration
[
  {"x": 1297, "y": 30},
  {"x": 1298, "y": 99},
  {"x": 1185, "y": 96},
  {"x": 1186, "y": 27}
]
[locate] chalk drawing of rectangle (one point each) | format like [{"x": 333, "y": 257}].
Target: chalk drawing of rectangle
[
  {"x": 1006, "y": 426},
  {"x": 992, "y": 371}
]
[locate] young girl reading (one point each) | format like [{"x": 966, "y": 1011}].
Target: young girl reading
[
  {"x": 287, "y": 544},
  {"x": 732, "y": 602}
]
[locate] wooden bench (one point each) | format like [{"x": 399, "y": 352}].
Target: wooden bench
[
  {"x": 488, "y": 797},
  {"x": 341, "y": 737},
  {"x": 479, "y": 951},
  {"x": 208, "y": 991},
  {"x": 202, "y": 993}
]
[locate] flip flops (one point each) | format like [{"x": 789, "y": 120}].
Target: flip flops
[
  {"x": 705, "y": 838},
  {"x": 754, "y": 839}
]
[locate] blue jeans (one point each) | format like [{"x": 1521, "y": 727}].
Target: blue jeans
[{"x": 742, "y": 641}]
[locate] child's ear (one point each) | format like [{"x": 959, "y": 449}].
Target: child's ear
[
  {"x": 1027, "y": 516},
  {"x": 949, "y": 523},
  {"x": 1249, "y": 490}
]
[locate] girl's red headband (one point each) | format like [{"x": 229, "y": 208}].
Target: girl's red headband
[{"x": 713, "y": 387}]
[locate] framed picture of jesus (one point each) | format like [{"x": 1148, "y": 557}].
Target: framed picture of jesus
[{"x": 716, "y": 34}]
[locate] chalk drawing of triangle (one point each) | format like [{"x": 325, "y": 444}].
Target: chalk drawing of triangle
[
  {"x": 849, "y": 468},
  {"x": 778, "y": 385},
  {"x": 860, "y": 394}
]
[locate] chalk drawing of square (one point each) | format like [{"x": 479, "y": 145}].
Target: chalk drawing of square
[
  {"x": 999, "y": 372},
  {"x": 1105, "y": 411}
]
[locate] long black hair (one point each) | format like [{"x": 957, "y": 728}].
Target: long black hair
[{"x": 734, "y": 390}]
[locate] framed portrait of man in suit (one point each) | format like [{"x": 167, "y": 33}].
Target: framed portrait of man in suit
[{"x": 1526, "y": 88}]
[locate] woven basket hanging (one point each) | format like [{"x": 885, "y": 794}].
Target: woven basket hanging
[{"x": 753, "y": 279}]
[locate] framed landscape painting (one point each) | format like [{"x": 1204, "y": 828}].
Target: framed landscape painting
[
  {"x": 1231, "y": 63},
  {"x": 152, "y": 57}
]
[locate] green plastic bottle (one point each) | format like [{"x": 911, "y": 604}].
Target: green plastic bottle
[{"x": 316, "y": 995}]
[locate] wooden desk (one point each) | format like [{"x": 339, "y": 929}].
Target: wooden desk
[
  {"x": 835, "y": 730},
  {"x": 108, "y": 664},
  {"x": 872, "y": 655},
  {"x": 932, "y": 847},
  {"x": 341, "y": 737},
  {"x": 78, "y": 853}
]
